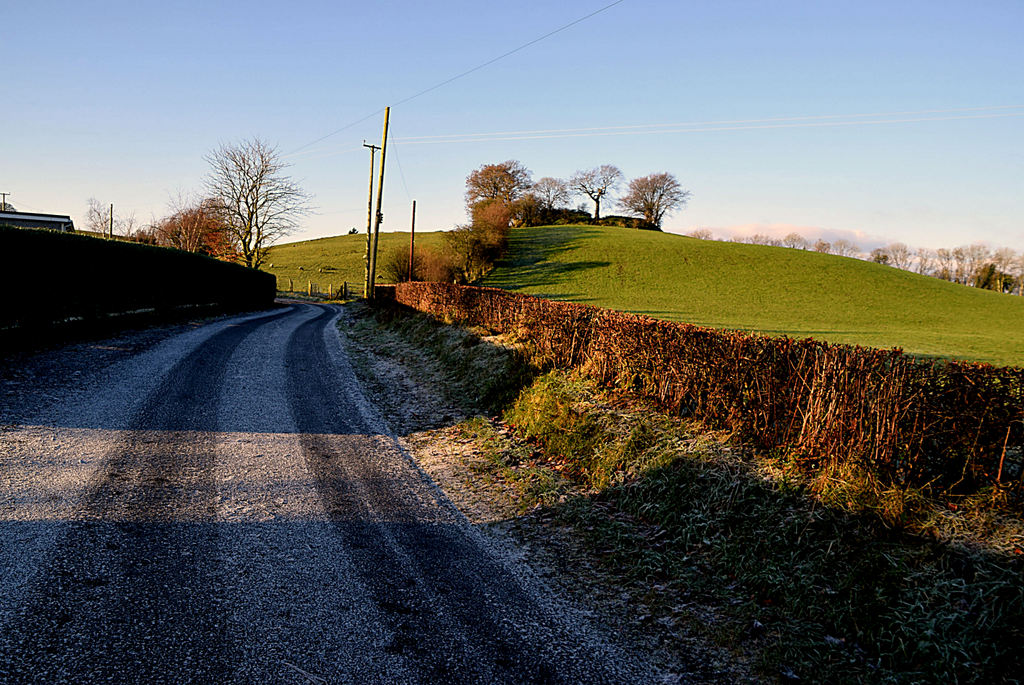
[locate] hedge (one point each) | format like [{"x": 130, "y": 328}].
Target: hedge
[
  {"x": 950, "y": 427},
  {"x": 52, "y": 277}
]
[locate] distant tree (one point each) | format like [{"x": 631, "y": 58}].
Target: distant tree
[
  {"x": 880, "y": 255},
  {"x": 844, "y": 248},
  {"x": 976, "y": 256},
  {"x": 654, "y": 196},
  {"x": 701, "y": 234},
  {"x": 944, "y": 265},
  {"x": 899, "y": 255},
  {"x": 476, "y": 245},
  {"x": 596, "y": 183},
  {"x": 961, "y": 271},
  {"x": 1017, "y": 269},
  {"x": 353, "y": 231},
  {"x": 925, "y": 260},
  {"x": 527, "y": 211},
  {"x": 6, "y": 207},
  {"x": 97, "y": 216},
  {"x": 822, "y": 245},
  {"x": 760, "y": 239},
  {"x": 796, "y": 241},
  {"x": 257, "y": 201},
  {"x": 506, "y": 181},
  {"x": 97, "y": 220},
  {"x": 1003, "y": 259},
  {"x": 551, "y": 193},
  {"x": 195, "y": 225}
]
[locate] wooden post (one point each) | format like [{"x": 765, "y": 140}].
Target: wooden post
[
  {"x": 379, "y": 216},
  {"x": 344, "y": 290},
  {"x": 291, "y": 286},
  {"x": 111, "y": 217},
  {"x": 330, "y": 291},
  {"x": 309, "y": 288},
  {"x": 369, "y": 223},
  {"x": 412, "y": 239}
]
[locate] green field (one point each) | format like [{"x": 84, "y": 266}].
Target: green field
[
  {"x": 769, "y": 290},
  {"x": 334, "y": 260}
]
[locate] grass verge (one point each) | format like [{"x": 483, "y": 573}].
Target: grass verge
[{"x": 836, "y": 579}]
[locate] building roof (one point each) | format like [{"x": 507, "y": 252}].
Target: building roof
[{"x": 34, "y": 216}]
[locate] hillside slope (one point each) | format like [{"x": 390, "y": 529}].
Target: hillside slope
[
  {"x": 336, "y": 259},
  {"x": 768, "y": 290}
]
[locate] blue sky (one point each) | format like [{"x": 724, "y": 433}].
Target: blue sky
[{"x": 121, "y": 101}]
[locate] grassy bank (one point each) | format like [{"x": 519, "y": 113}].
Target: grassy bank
[
  {"x": 836, "y": 579},
  {"x": 770, "y": 290},
  {"x": 334, "y": 260}
]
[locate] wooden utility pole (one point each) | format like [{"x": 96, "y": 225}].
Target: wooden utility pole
[
  {"x": 111, "y": 220},
  {"x": 412, "y": 240},
  {"x": 3, "y": 202},
  {"x": 369, "y": 222},
  {"x": 380, "y": 196}
]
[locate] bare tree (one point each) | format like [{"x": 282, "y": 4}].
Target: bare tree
[
  {"x": 97, "y": 216},
  {"x": 97, "y": 219},
  {"x": 506, "y": 181},
  {"x": 1003, "y": 259},
  {"x": 976, "y": 256},
  {"x": 926, "y": 260},
  {"x": 1017, "y": 269},
  {"x": 823, "y": 246},
  {"x": 944, "y": 264},
  {"x": 654, "y": 196},
  {"x": 551, "y": 193},
  {"x": 844, "y": 248},
  {"x": 258, "y": 202},
  {"x": 899, "y": 255},
  {"x": 795, "y": 241},
  {"x": 701, "y": 234},
  {"x": 961, "y": 272},
  {"x": 761, "y": 239},
  {"x": 596, "y": 183}
]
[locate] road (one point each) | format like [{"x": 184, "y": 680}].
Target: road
[{"x": 225, "y": 505}]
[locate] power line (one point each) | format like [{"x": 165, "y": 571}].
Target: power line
[
  {"x": 401, "y": 172},
  {"x": 708, "y": 129},
  {"x": 511, "y": 52},
  {"x": 411, "y": 139},
  {"x": 462, "y": 74}
]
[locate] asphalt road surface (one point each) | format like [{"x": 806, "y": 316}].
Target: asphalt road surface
[{"x": 224, "y": 505}]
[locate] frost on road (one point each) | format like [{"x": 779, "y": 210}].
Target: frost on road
[{"x": 225, "y": 506}]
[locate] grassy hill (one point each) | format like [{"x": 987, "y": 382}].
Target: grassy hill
[
  {"x": 336, "y": 259},
  {"x": 769, "y": 290}
]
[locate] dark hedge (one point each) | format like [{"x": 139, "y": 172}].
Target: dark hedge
[{"x": 51, "y": 277}]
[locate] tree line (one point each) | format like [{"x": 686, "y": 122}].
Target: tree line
[
  {"x": 976, "y": 265},
  {"x": 504, "y": 195}
]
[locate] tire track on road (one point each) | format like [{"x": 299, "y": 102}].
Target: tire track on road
[
  {"x": 131, "y": 595},
  {"x": 456, "y": 613}
]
